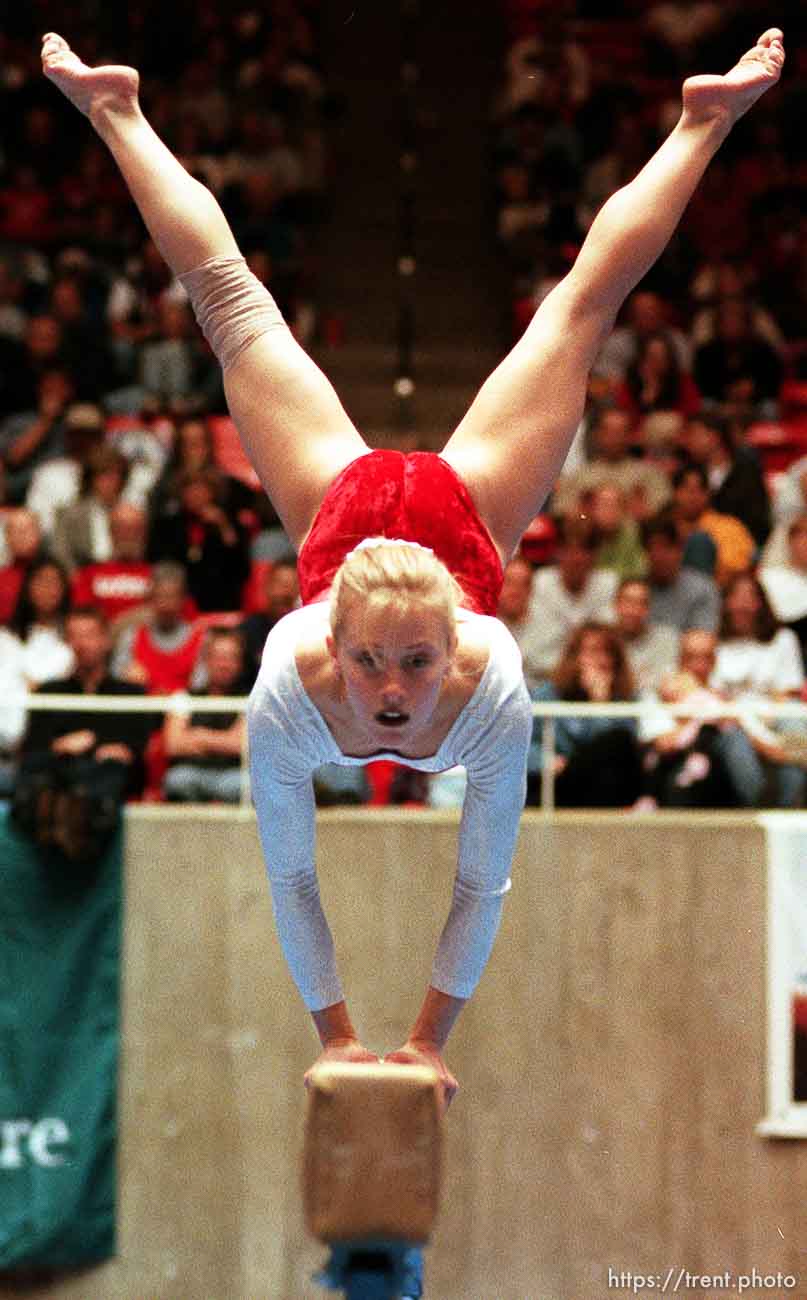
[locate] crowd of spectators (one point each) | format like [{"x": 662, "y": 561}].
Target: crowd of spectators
[
  {"x": 137, "y": 553},
  {"x": 129, "y": 517},
  {"x": 670, "y": 566}
]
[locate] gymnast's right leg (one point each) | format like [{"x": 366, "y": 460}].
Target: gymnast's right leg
[{"x": 292, "y": 423}]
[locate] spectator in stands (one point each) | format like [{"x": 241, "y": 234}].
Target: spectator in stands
[
  {"x": 715, "y": 281},
  {"x": 193, "y": 450},
  {"x": 38, "y": 623},
  {"x": 789, "y": 501},
  {"x": 785, "y": 585},
  {"x": 654, "y": 381},
  {"x": 121, "y": 583},
  {"x": 77, "y": 768},
  {"x": 177, "y": 370},
  {"x": 81, "y": 532},
  {"x": 12, "y": 712},
  {"x": 598, "y": 764},
  {"x": 43, "y": 350},
  {"x": 679, "y": 597},
  {"x": 29, "y": 438},
  {"x": 56, "y": 482},
  {"x": 652, "y": 648},
  {"x": 24, "y": 545},
  {"x": 564, "y": 596},
  {"x": 204, "y": 749},
  {"x": 282, "y": 590},
  {"x": 683, "y": 759},
  {"x": 758, "y": 661},
  {"x": 734, "y": 547},
  {"x": 160, "y": 651},
  {"x": 213, "y": 546},
  {"x": 86, "y": 354},
  {"x": 516, "y": 593},
  {"x": 13, "y": 316},
  {"x": 737, "y": 370},
  {"x": 736, "y": 483},
  {"x": 611, "y": 462},
  {"x": 620, "y": 548},
  {"x": 646, "y": 314}
]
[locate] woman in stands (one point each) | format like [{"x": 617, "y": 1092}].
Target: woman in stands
[{"x": 395, "y": 652}]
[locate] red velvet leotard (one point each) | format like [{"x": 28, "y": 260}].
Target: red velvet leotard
[{"x": 415, "y": 496}]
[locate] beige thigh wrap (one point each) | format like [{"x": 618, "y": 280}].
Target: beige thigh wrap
[{"x": 231, "y": 305}]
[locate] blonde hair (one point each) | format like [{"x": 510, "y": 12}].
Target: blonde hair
[{"x": 386, "y": 570}]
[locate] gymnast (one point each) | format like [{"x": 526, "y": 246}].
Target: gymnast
[{"x": 395, "y": 651}]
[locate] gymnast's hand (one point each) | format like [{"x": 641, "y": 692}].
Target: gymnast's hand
[
  {"x": 420, "y": 1053},
  {"x": 348, "y": 1052}
]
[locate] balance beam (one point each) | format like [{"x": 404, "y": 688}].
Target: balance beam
[{"x": 372, "y": 1162}]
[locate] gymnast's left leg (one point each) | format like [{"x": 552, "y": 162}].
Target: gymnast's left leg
[
  {"x": 291, "y": 421},
  {"x": 511, "y": 445}
]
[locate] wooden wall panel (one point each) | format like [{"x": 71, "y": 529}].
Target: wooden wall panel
[{"x": 611, "y": 1064}]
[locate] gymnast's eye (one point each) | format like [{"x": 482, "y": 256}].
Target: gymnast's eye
[{"x": 419, "y": 661}]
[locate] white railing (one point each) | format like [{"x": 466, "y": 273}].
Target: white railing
[{"x": 549, "y": 710}]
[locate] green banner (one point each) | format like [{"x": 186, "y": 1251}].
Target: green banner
[{"x": 59, "y": 1016}]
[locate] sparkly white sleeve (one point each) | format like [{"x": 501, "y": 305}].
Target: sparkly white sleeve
[
  {"x": 281, "y": 765},
  {"x": 494, "y": 800}
]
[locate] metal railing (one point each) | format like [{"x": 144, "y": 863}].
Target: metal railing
[{"x": 548, "y": 710}]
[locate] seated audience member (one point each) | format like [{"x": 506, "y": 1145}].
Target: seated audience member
[
  {"x": 213, "y": 547},
  {"x": 565, "y": 595},
  {"x": 785, "y": 585},
  {"x": 611, "y": 462},
  {"x": 77, "y": 768},
  {"x": 160, "y": 653},
  {"x": 790, "y": 494},
  {"x": 715, "y": 281},
  {"x": 620, "y": 548},
  {"x": 81, "y": 532},
  {"x": 39, "y": 623},
  {"x": 57, "y": 481},
  {"x": 515, "y": 596},
  {"x": 734, "y": 547},
  {"x": 177, "y": 371},
  {"x": 652, "y": 648},
  {"x": 683, "y": 760},
  {"x": 656, "y": 382},
  {"x": 193, "y": 450},
  {"x": 736, "y": 483},
  {"x": 679, "y": 596},
  {"x": 646, "y": 314},
  {"x": 758, "y": 661},
  {"x": 12, "y": 712},
  {"x": 282, "y": 596},
  {"x": 736, "y": 369},
  {"x": 24, "y": 546},
  {"x": 122, "y": 582},
  {"x": 204, "y": 749},
  {"x": 30, "y": 437},
  {"x": 598, "y": 764}
]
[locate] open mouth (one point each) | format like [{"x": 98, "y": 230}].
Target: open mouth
[{"x": 391, "y": 719}]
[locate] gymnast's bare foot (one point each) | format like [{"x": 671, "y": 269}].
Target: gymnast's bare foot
[
  {"x": 90, "y": 89},
  {"x": 729, "y": 97}
]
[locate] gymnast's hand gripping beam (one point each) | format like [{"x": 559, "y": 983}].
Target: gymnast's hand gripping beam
[{"x": 372, "y": 1166}]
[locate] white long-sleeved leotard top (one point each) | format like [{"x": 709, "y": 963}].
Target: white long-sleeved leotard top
[{"x": 289, "y": 739}]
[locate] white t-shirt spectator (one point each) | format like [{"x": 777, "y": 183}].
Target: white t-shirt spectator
[
  {"x": 746, "y": 667},
  {"x": 554, "y": 613}
]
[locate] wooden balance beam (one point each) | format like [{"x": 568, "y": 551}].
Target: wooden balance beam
[{"x": 372, "y": 1165}]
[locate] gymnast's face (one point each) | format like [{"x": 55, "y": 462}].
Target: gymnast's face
[{"x": 392, "y": 662}]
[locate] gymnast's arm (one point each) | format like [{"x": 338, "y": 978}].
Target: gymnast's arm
[
  {"x": 494, "y": 801},
  {"x": 283, "y": 795}
]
